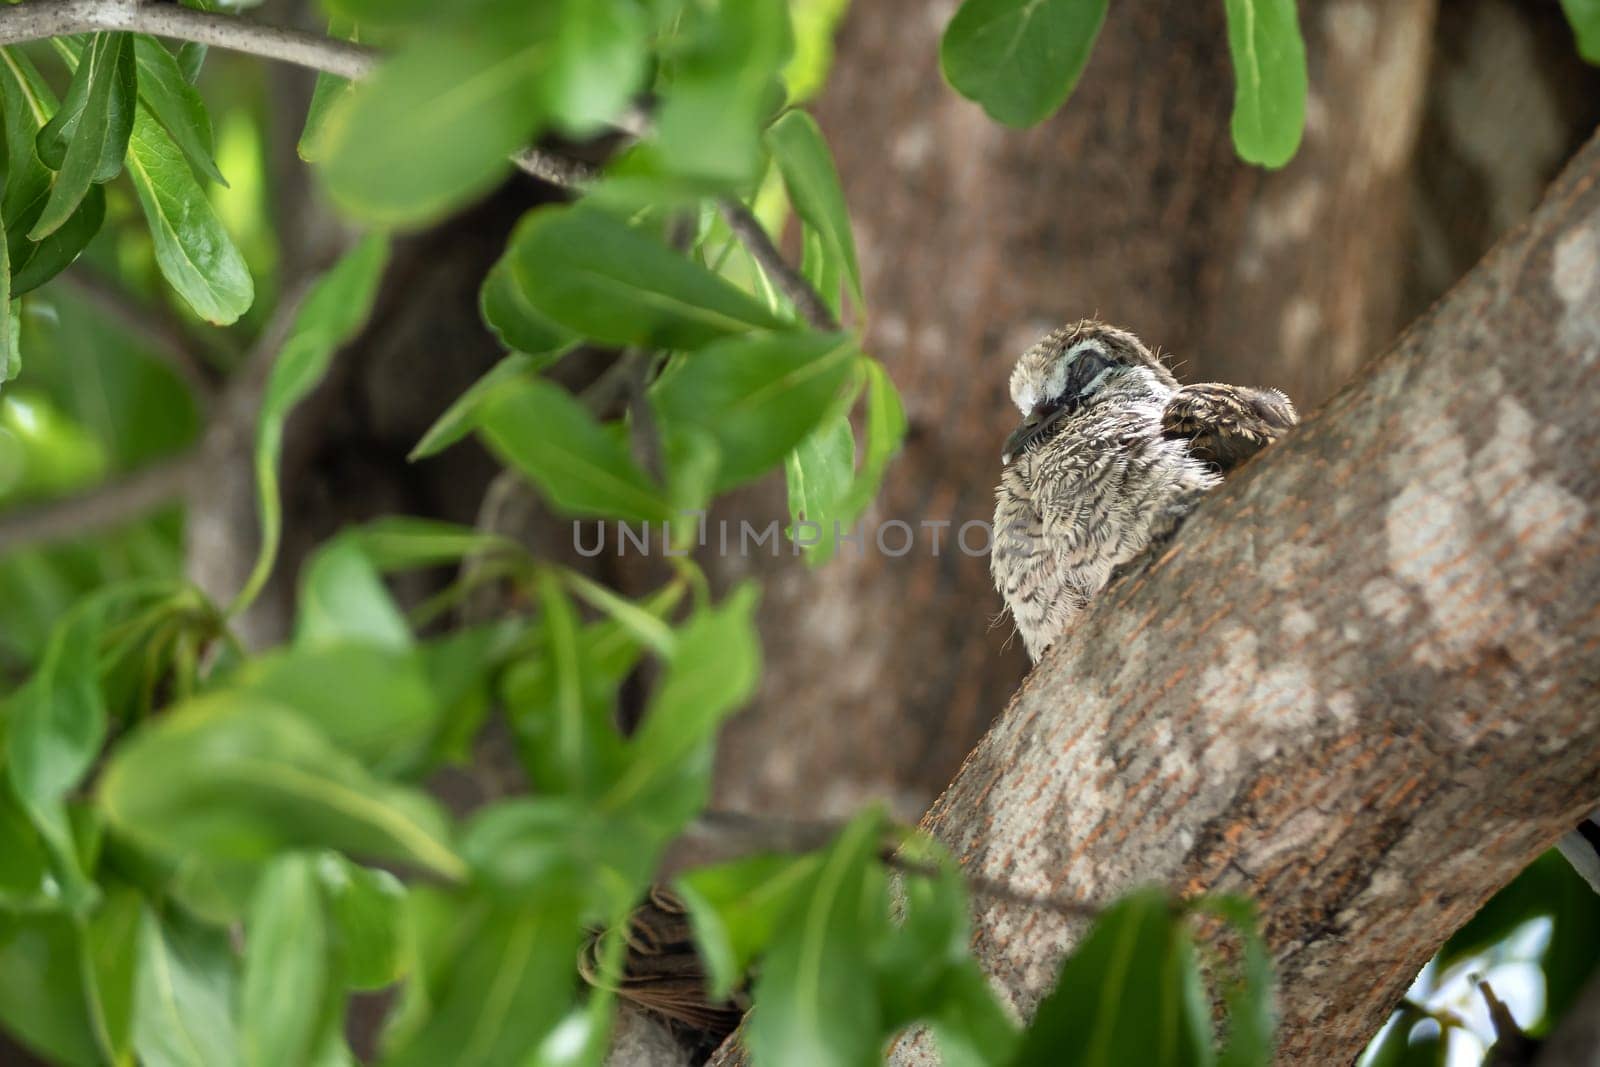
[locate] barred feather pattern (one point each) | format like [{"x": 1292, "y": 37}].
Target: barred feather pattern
[{"x": 1125, "y": 455}]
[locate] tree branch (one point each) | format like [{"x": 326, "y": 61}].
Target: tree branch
[
  {"x": 38, "y": 19},
  {"x": 790, "y": 282},
  {"x": 1359, "y": 687},
  {"x": 103, "y": 506}
]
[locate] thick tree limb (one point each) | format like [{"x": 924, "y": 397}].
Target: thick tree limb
[{"x": 1362, "y": 685}]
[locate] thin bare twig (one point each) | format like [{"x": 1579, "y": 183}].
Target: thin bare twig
[
  {"x": 38, "y": 19},
  {"x": 807, "y": 301},
  {"x": 557, "y": 170},
  {"x": 110, "y": 504}
]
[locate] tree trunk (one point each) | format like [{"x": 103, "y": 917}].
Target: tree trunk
[{"x": 1361, "y": 687}]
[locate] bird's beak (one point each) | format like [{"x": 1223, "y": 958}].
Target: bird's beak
[{"x": 1039, "y": 423}]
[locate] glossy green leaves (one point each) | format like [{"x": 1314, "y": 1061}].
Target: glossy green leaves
[
  {"x": 466, "y": 97},
  {"x": 1019, "y": 59},
  {"x": 166, "y": 94},
  {"x": 828, "y": 491},
  {"x": 594, "y": 275},
  {"x": 196, "y": 255},
  {"x": 474, "y": 90},
  {"x": 236, "y": 777},
  {"x": 539, "y": 429},
  {"x": 87, "y": 137},
  {"x": 724, "y": 85},
  {"x": 802, "y": 155},
  {"x": 756, "y": 397},
  {"x": 29, "y": 104},
  {"x": 1269, "y": 69}
]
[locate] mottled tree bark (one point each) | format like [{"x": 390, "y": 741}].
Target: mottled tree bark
[
  {"x": 882, "y": 672},
  {"x": 1363, "y": 685}
]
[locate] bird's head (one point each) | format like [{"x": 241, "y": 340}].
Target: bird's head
[{"x": 1067, "y": 370}]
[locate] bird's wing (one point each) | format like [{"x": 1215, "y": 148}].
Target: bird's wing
[
  {"x": 662, "y": 973},
  {"x": 1227, "y": 424}
]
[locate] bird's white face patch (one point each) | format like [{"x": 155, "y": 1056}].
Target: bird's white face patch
[{"x": 1033, "y": 382}]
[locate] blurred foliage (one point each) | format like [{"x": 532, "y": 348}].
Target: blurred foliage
[
  {"x": 204, "y": 851},
  {"x": 1020, "y": 60}
]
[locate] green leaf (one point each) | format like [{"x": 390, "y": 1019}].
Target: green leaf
[
  {"x": 25, "y": 877},
  {"x": 406, "y": 542},
  {"x": 532, "y": 844},
  {"x": 520, "y": 326},
  {"x": 1584, "y": 15},
  {"x": 598, "y": 277},
  {"x": 43, "y": 995},
  {"x": 193, "y": 250},
  {"x": 757, "y": 396},
  {"x": 737, "y": 909},
  {"x": 970, "y": 1026},
  {"x": 1019, "y": 59},
  {"x": 111, "y": 938},
  {"x": 343, "y": 600},
  {"x": 468, "y": 93},
  {"x": 373, "y": 702},
  {"x": 886, "y": 429},
  {"x": 235, "y": 777},
  {"x": 56, "y": 725},
  {"x": 715, "y": 670},
  {"x": 184, "y": 1004},
  {"x": 802, "y": 155},
  {"x": 603, "y": 655},
  {"x": 814, "y": 999},
  {"x": 28, "y": 104},
  {"x": 821, "y": 472},
  {"x": 723, "y": 85},
  {"x": 1269, "y": 70},
  {"x": 334, "y": 311},
  {"x": 87, "y": 138},
  {"x": 641, "y": 623},
  {"x": 1124, "y": 995},
  {"x": 597, "y": 61},
  {"x": 366, "y": 916},
  {"x": 166, "y": 92},
  {"x": 461, "y": 417},
  {"x": 329, "y": 91},
  {"x": 541, "y": 430},
  {"x": 504, "y": 979},
  {"x": 286, "y": 981},
  {"x": 1252, "y": 1020},
  {"x": 575, "y": 718}
]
